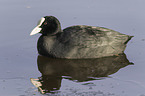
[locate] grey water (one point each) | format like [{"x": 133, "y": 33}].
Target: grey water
[{"x": 114, "y": 76}]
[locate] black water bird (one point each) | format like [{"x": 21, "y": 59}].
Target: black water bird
[{"x": 80, "y": 41}]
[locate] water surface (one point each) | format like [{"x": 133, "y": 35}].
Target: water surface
[{"x": 18, "y": 58}]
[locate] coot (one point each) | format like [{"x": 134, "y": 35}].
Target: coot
[{"x": 77, "y": 42}]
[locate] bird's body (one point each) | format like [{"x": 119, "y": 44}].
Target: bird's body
[{"x": 81, "y": 41}]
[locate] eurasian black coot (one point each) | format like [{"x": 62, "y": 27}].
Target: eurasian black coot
[{"x": 80, "y": 41}]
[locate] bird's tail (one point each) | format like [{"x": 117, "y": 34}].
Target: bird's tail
[{"x": 129, "y": 37}]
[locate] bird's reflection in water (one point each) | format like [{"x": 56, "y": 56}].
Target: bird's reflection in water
[{"x": 54, "y": 70}]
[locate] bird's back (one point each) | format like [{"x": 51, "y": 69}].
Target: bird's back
[{"x": 83, "y": 36}]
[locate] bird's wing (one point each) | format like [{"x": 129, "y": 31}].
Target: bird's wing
[{"x": 83, "y": 36}]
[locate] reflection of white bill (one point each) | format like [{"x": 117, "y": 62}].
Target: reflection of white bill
[{"x": 37, "y": 84}]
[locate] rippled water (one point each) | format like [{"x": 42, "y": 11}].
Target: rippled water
[{"x": 22, "y": 68}]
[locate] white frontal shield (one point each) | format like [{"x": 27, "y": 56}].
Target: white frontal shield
[{"x": 37, "y": 29}]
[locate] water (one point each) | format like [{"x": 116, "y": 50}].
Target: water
[{"x": 18, "y": 58}]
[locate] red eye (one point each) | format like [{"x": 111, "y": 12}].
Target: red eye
[{"x": 45, "y": 23}]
